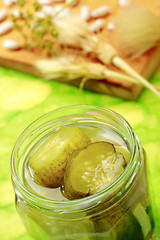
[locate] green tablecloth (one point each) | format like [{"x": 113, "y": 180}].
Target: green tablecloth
[{"x": 24, "y": 98}]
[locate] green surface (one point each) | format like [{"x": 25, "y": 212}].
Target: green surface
[{"x": 24, "y": 98}]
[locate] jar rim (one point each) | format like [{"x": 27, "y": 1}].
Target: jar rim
[{"x": 86, "y": 202}]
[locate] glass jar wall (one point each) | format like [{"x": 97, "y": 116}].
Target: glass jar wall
[{"x": 120, "y": 211}]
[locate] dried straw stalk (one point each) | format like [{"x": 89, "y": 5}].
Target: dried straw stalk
[
  {"x": 75, "y": 32},
  {"x": 70, "y": 69}
]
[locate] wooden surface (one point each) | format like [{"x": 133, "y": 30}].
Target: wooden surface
[{"x": 23, "y": 60}]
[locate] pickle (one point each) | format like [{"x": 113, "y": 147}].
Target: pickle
[
  {"x": 124, "y": 151},
  {"x": 143, "y": 219},
  {"x": 104, "y": 230},
  {"x": 48, "y": 161},
  {"x": 92, "y": 169},
  {"x": 124, "y": 228}
]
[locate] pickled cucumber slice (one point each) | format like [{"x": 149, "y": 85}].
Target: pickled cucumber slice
[
  {"x": 47, "y": 162},
  {"x": 124, "y": 151},
  {"x": 124, "y": 228},
  {"x": 103, "y": 230},
  {"x": 92, "y": 169},
  {"x": 143, "y": 219}
]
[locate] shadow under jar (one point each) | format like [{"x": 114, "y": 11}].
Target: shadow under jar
[{"x": 122, "y": 211}]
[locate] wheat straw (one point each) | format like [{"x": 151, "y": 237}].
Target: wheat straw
[
  {"x": 137, "y": 29},
  {"x": 68, "y": 69},
  {"x": 75, "y": 32}
]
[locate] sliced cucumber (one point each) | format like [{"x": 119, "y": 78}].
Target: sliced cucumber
[
  {"x": 93, "y": 169},
  {"x": 124, "y": 151},
  {"x": 103, "y": 230},
  {"x": 47, "y": 162},
  {"x": 143, "y": 219},
  {"x": 124, "y": 228}
]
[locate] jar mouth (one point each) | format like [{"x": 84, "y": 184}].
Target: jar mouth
[{"x": 122, "y": 183}]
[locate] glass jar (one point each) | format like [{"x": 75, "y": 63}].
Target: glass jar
[{"x": 120, "y": 211}]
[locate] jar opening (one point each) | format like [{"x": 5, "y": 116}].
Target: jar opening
[{"x": 78, "y": 114}]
